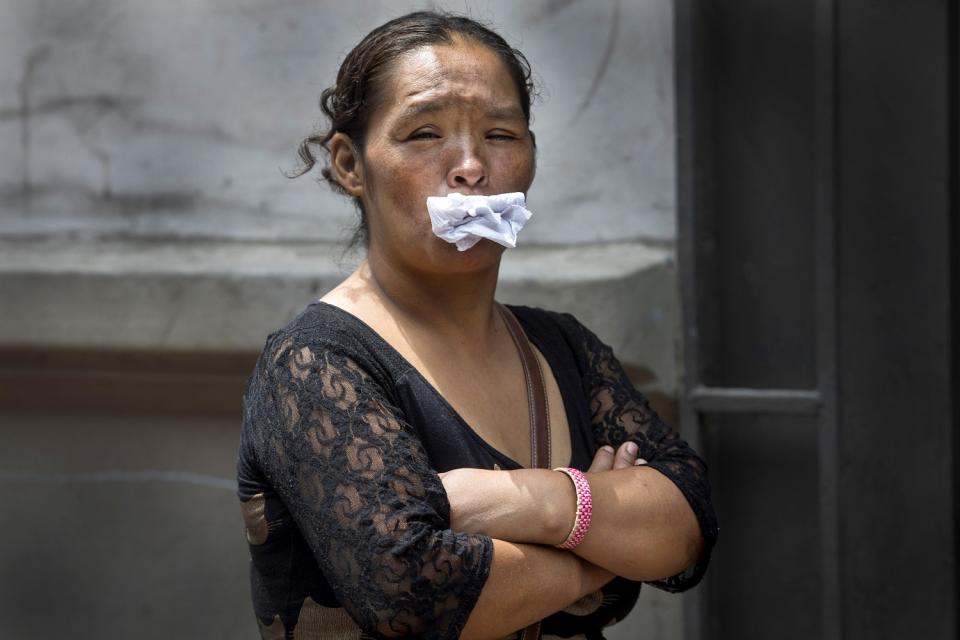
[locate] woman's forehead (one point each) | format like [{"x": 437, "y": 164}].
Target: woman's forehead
[{"x": 439, "y": 76}]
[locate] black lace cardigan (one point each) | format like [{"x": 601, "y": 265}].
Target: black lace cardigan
[{"x": 346, "y": 517}]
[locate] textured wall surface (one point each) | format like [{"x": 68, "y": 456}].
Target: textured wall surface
[{"x": 178, "y": 118}]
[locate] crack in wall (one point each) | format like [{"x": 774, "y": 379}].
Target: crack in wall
[
  {"x": 36, "y": 57},
  {"x": 100, "y": 102},
  {"x": 552, "y": 8},
  {"x": 604, "y": 63},
  {"x": 114, "y": 476}
]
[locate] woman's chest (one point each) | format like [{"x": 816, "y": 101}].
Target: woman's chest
[
  {"x": 486, "y": 424},
  {"x": 498, "y": 410}
]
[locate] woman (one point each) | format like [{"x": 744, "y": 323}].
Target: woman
[{"x": 378, "y": 469}]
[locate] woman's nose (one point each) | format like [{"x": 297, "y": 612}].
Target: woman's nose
[{"x": 468, "y": 171}]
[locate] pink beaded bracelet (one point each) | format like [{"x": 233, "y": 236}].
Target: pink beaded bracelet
[{"x": 584, "y": 508}]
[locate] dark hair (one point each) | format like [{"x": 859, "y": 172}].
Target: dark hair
[{"x": 348, "y": 103}]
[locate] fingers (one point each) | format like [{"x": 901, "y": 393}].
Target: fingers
[
  {"x": 602, "y": 460},
  {"x": 626, "y": 455}
]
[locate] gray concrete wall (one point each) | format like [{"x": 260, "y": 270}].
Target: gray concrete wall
[
  {"x": 126, "y": 527},
  {"x": 131, "y": 116}
]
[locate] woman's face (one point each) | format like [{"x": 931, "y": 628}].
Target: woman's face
[{"x": 449, "y": 120}]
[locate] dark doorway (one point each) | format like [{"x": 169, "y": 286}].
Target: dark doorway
[{"x": 818, "y": 244}]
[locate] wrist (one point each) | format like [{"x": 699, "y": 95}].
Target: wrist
[
  {"x": 562, "y": 508},
  {"x": 544, "y": 502}
]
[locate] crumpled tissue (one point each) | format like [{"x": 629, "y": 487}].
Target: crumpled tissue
[{"x": 465, "y": 220}]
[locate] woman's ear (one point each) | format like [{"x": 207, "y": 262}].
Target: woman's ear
[
  {"x": 346, "y": 165},
  {"x": 533, "y": 173}
]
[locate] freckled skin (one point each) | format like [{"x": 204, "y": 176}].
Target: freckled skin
[{"x": 449, "y": 120}]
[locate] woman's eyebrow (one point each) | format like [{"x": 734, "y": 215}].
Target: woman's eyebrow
[
  {"x": 494, "y": 112},
  {"x": 505, "y": 113},
  {"x": 421, "y": 108}
]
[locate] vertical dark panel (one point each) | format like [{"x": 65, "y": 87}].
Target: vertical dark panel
[
  {"x": 755, "y": 306},
  {"x": 954, "y": 111},
  {"x": 765, "y": 580},
  {"x": 761, "y": 83},
  {"x": 688, "y": 39},
  {"x": 825, "y": 171},
  {"x": 747, "y": 246},
  {"x": 696, "y": 188},
  {"x": 893, "y": 239}
]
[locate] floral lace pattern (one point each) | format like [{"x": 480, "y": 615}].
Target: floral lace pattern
[
  {"x": 360, "y": 489},
  {"x": 330, "y": 468},
  {"x": 620, "y": 413}
]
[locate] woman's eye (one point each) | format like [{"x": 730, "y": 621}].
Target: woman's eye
[
  {"x": 423, "y": 135},
  {"x": 500, "y": 136}
]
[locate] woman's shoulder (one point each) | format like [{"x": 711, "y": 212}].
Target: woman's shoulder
[
  {"x": 322, "y": 328},
  {"x": 317, "y": 324},
  {"x": 560, "y": 332},
  {"x": 545, "y": 322}
]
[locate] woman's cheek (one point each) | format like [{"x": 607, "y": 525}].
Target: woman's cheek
[
  {"x": 518, "y": 169},
  {"x": 402, "y": 188}
]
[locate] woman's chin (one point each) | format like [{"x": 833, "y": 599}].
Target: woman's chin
[{"x": 482, "y": 256}]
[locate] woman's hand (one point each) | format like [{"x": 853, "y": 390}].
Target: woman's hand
[
  {"x": 606, "y": 459},
  {"x": 501, "y": 503}
]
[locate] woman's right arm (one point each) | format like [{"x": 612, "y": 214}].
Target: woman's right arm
[
  {"x": 527, "y": 583},
  {"x": 358, "y": 483}
]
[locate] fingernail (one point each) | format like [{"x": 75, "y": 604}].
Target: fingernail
[
  {"x": 632, "y": 448},
  {"x": 608, "y": 448},
  {"x": 639, "y": 461}
]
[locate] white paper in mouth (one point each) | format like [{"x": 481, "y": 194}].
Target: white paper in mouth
[{"x": 465, "y": 220}]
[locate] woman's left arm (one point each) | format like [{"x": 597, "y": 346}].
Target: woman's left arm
[
  {"x": 652, "y": 522},
  {"x": 642, "y": 527}
]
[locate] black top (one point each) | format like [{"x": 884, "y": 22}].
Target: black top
[{"x": 346, "y": 517}]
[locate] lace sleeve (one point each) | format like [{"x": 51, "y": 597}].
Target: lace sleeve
[
  {"x": 359, "y": 486},
  {"x": 619, "y": 413}
]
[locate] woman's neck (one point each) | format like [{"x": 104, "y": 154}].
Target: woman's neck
[{"x": 449, "y": 305}]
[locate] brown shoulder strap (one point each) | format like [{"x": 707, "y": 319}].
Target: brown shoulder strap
[
  {"x": 531, "y": 633},
  {"x": 539, "y": 414},
  {"x": 536, "y": 394}
]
